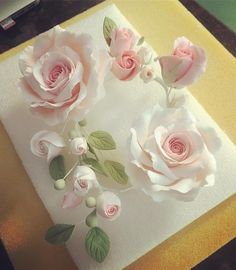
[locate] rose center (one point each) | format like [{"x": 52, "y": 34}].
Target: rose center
[
  {"x": 80, "y": 149},
  {"x": 83, "y": 184},
  {"x": 60, "y": 70},
  {"x": 182, "y": 52},
  {"x": 177, "y": 146},
  {"x": 111, "y": 210},
  {"x": 128, "y": 62},
  {"x": 43, "y": 147}
]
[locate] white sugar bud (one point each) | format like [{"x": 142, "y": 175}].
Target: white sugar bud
[{"x": 78, "y": 146}]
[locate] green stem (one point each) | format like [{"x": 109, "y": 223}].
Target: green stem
[
  {"x": 71, "y": 169},
  {"x": 161, "y": 82},
  {"x": 93, "y": 151},
  {"x": 167, "y": 91}
]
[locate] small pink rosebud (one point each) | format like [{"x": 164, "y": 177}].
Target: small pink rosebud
[
  {"x": 147, "y": 74},
  {"x": 186, "y": 64},
  {"x": 46, "y": 144},
  {"x": 78, "y": 146},
  {"x": 84, "y": 179},
  {"x": 122, "y": 39},
  {"x": 108, "y": 205}
]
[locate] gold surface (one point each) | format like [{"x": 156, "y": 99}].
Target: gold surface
[{"x": 23, "y": 218}]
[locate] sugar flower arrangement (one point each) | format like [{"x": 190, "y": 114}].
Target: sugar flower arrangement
[{"x": 171, "y": 153}]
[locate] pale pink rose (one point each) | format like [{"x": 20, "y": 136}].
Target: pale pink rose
[
  {"x": 71, "y": 200},
  {"x": 46, "y": 144},
  {"x": 126, "y": 66},
  {"x": 84, "y": 179},
  {"x": 186, "y": 64},
  {"x": 108, "y": 205},
  {"x": 63, "y": 74},
  {"x": 147, "y": 74},
  {"x": 78, "y": 146},
  {"x": 122, "y": 39},
  {"x": 171, "y": 155}
]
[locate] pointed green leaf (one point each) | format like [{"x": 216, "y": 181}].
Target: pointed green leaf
[
  {"x": 108, "y": 26},
  {"x": 57, "y": 168},
  {"x": 140, "y": 41},
  {"x": 95, "y": 165},
  {"x": 101, "y": 140},
  {"x": 83, "y": 123},
  {"x": 91, "y": 150},
  {"x": 59, "y": 233},
  {"x": 116, "y": 171},
  {"x": 97, "y": 244}
]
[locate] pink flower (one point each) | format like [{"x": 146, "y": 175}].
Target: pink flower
[
  {"x": 172, "y": 156},
  {"x": 84, "y": 179},
  {"x": 122, "y": 39},
  {"x": 46, "y": 144},
  {"x": 126, "y": 66},
  {"x": 147, "y": 74},
  {"x": 71, "y": 200},
  {"x": 108, "y": 205},
  {"x": 78, "y": 146},
  {"x": 186, "y": 64},
  {"x": 62, "y": 74}
]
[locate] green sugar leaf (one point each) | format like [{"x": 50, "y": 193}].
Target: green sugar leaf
[
  {"x": 117, "y": 171},
  {"x": 108, "y": 26},
  {"x": 57, "y": 168},
  {"x": 59, "y": 233},
  {"x": 101, "y": 140},
  {"x": 140, "y": 41},
  {"x": 97, "y": 244},
  {"x": 95, "y": 165}
]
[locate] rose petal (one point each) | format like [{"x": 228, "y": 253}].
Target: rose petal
[
  {"x": 71, "y": 200},
  {"x": 210, "y": 180},
  {"x": 173, "y": 68},
  {"x": 182, "y": 42},
  {"x": 173, "y": 195},
  {"x": 142, "y": 124},
  {"x": 196, "y": 70},
  {"x": 85, "y": 172},
  {"x": 137, "y": 151},
  {"x": 45, "y": 41},
  {"x": 54, "y": 114},
  {"x": 158, "y": 163},
  {"x": 211, "y": 138},
  {"x": 184, "y": 185},
  {"x": 179, "y": 117},
  {"x": 26, "y": 60}
]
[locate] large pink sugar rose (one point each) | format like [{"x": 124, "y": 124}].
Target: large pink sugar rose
[
  {"x": 122, "y": 39},
  {"x": 62, "y": 74},
  {"x": 186, "y": 64},
  {"x": 126, "y": 66},
  {"x": 171, "y": 155}
]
